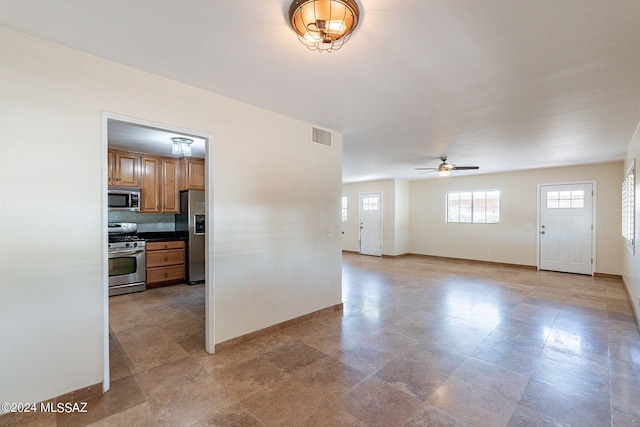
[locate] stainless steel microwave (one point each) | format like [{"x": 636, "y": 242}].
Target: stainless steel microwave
[{"x": 124, "y": 199}]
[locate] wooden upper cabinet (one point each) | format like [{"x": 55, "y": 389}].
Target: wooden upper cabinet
[
  {"x": 150, "y": 174},
  {"x": 160, "y": 179},
  {"x": 170, "y": 190},
  {"x": 192, "y": 177},
  {"x": 123, "y": 169},
  {"x": 111, "y": 158}
]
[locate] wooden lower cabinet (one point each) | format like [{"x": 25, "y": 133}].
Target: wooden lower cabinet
[
  {"x": 157, "y": 276},
  {"x": 165, "y": 263}
]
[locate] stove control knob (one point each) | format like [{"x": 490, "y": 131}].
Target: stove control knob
[
  {"x": 135, "y": 244},
  {"x": 126, "y": 244}
]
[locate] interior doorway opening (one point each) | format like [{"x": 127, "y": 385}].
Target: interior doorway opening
[{"x": 152, "y": 146}]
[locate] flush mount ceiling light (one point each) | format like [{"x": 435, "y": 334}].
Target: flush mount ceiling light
[
  {"x": 324, "y": 25},
  {"x": 181, "y": 146}
]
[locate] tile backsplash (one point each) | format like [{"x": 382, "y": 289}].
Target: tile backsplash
[{"x": 146, "y": 222}]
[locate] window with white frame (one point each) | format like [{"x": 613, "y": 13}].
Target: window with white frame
[
  {"x": 370, "y": 203},
  {"x": 344, "y": 208},
  {"x": 479, "y": 207},
  {"x": 565, "y": 199}
]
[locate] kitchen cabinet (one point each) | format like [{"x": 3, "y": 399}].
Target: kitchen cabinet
[
  {"x": 159, "y": 180},
  {"x": 170, "y": 190},
  {"x": 165, "y": 263},
  {"x": 192, "y": 173},
  {"x": 150, "y": 184},
  {"x": 123, "y": 169}
]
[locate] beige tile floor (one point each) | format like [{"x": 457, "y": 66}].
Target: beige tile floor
[{"x": 421, "y": 342}]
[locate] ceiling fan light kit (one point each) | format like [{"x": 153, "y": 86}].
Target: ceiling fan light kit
[
  {"x": 445, "y": 168},
  {"x": 324, "y": 25}
]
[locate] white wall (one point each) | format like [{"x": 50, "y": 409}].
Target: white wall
[
  {"x": 510, "y": 241},
  {"x": 632, "y": 261},
  {"x": 395, "y": 215},
  {"x": 401, "y": 219},
  {"x": 272, "y": 193}
]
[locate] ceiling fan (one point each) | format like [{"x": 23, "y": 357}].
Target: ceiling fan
[{"x": 445, "y": 168}]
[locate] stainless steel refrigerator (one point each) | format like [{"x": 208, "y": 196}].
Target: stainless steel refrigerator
[{"x": 191, "y": 222}]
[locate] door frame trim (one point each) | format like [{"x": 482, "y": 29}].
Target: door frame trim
[
  {"x": 594, "y": 219},
  {"x": 381, "y": 219}
]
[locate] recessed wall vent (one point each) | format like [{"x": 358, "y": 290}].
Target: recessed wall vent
[{"x": 322, "y": 137}]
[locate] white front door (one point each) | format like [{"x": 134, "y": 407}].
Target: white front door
[
  {"x": 566, "y": 228},
  {"x": 371, "y": 224}
]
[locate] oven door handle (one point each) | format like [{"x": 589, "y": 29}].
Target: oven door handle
[{"x": 128, "y": 252}]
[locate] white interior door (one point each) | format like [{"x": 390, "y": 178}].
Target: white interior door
[
  {"x": 566, "y": 228},
  {"x": 371, "y": 224}
]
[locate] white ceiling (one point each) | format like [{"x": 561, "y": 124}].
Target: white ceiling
[
  {"x": 148, "y": 139},
  {"x": 502, "y": 84}
]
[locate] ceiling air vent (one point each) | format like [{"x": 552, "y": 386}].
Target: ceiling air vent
[{"x": 322, "y": 137}]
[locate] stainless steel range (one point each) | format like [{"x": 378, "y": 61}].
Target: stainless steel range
[{"x": 127, "y": 259}]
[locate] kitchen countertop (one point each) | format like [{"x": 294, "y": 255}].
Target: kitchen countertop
[{"x": 165, "y": 235}]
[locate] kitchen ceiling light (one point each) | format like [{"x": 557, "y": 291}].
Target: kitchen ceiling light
[
  {"x": 181, "y": 146},
  {"x": 444, "y": 172},
  {"x": 324, "y": 25}
]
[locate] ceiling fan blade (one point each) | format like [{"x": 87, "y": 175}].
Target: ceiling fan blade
[{"x": 445, "y": 168}]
